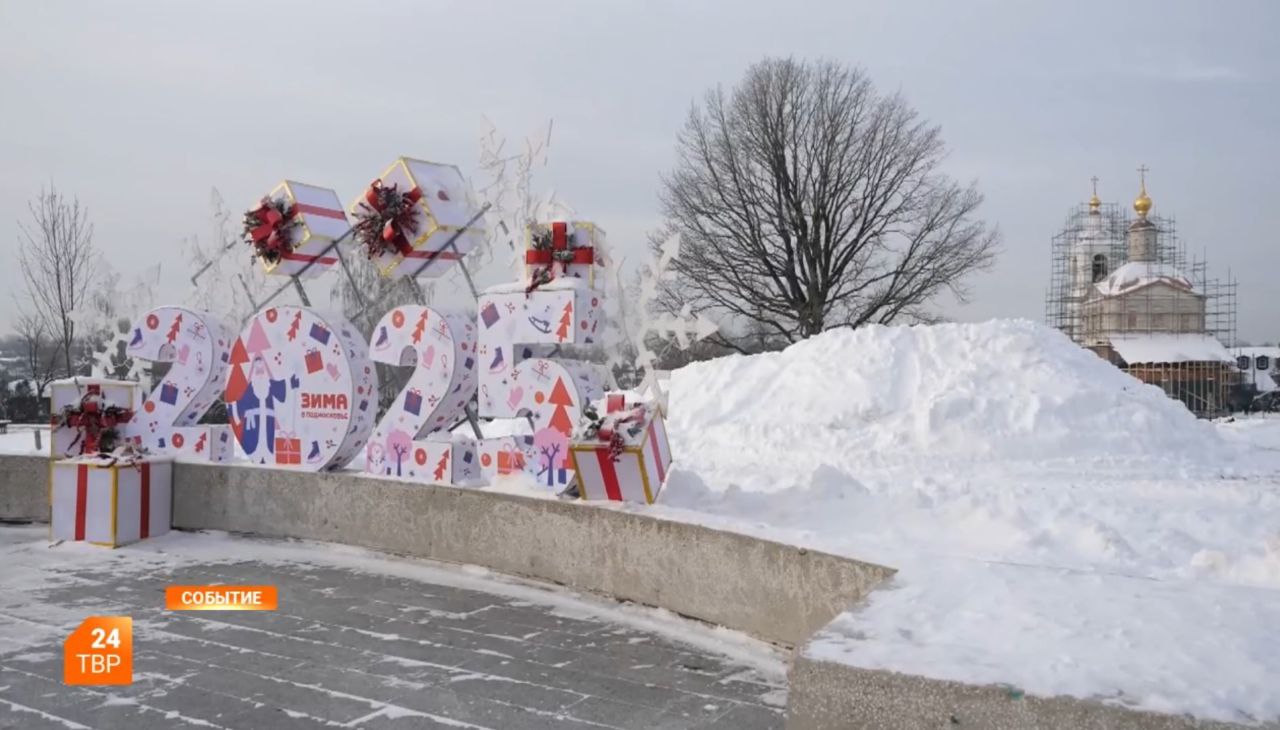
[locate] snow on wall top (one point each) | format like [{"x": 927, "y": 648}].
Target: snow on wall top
[
  {"x": 1158, "y": 348},
  {"x": 1137, "y": 274},
  {"x": 1005, "y": 388}
]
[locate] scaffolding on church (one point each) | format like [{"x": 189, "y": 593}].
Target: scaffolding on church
[
  {"x": 1063, "y": 299},
  {"x": 1135, "y": 315}
]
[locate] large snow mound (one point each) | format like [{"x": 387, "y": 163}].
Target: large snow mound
[
  {"x": 1004, "y": 389},
  {"x": 1056, "y": 524}
]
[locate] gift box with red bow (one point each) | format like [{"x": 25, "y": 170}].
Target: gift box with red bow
[
  {"x": 622, "y": 454},
  {"x": 69, "y": 439},
  {"x": 302, "y": 222},
  {"x": 417, "y": 219},
  {"x": 110, "y": 501},
  {"x": 562, "y": 249}
]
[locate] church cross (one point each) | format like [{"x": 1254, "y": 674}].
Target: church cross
[
  {"x": 1142, "y": 171},
  {"x": 1094, "y": 179}
]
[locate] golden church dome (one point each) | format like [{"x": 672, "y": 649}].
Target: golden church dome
[{"x": 1142, "y": 204}]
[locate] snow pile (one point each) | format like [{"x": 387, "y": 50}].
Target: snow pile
[
  {"x": 1057, "y": 525},
  {"x": 1005, "y": 389}
]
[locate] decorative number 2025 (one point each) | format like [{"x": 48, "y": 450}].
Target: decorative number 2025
[{"x": 302, "y": 392}]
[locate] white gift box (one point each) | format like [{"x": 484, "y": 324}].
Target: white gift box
[
  {"x": 639, "y": 471},
  {"x": 321, "y": 221},
  {"x": 580, "y": 242},
  {"x": 110, "y": 502},
  {"x": 445, "y": 209},
  {"x": 68, "y": 392}
]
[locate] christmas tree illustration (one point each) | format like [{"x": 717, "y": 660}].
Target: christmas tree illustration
[{"x": 566, "y": 321}]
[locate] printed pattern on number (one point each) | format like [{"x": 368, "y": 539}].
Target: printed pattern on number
[
  {"x": 301, "y": 392},
  {"x": 516, "y": 330},
  {"x": 197, "y": 345},
  {"x": 441, "y": 349}
]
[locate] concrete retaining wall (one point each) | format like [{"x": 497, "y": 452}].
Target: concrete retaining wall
[
  {"x": 24, "y": 488},
  {"x": 773, "y": 591},
  {"x": 776, "y": 592},
  {"x": 829, "y": 696}
]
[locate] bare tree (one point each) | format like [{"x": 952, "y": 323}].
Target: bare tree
[
  {"x": 805, "y": 200},
  {"x": 56, "y": 255},
  {"x": 40, "y": 354}
]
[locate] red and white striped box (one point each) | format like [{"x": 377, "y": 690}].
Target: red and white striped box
[
  {"x": 637, "y": 473},
  {"x": 110, "y": 502},
  {"x": 63, "y": 441},
  {"x": 322, "y": 221}
]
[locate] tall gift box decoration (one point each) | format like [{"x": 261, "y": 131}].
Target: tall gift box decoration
[
  {"x": 622, "y": 455},
  {"x": 110, "y": 501},
  {"x": 518, "y": 330},
  {"x": 406, "y": 218},
  {"x": 561, "y": 249},
  {"x": 65, "y": 438},
  {"x": 292, "y": 228}
]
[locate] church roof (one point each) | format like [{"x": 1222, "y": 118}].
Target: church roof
[
  {"x": 1162, "y": 348},
  {"x": 1137, "y": 274}
]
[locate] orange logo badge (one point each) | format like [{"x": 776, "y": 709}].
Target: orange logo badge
[
  {"x": 220, "y": 598},
  {"x": 99, "y": 652}
]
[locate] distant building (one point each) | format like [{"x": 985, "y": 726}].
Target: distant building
[
  {"x": 1259, "y": 367},
  {"x": 1126, "y": 292}
]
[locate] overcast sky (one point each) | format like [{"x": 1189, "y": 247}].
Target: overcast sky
[{"x": 140, "y": 108}]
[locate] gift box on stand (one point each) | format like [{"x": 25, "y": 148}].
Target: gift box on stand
[
  {"x": 562, "y": 249},
  {"x": 624, "y": 455},
  {"x": 442, "y": 207},
  {"x": 317, "y": 221},
  {"x": 108, "y": 501}
]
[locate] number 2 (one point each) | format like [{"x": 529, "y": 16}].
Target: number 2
[
  {"x": 197, "y": 345},
  {"x": 441, "y": 348}
]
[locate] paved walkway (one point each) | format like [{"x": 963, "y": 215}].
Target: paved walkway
[{"x": 360, "y": 640}]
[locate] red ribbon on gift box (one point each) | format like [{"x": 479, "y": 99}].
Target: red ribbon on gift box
[
  {"x": 93, "y": 419},
  {"x": 609, "y": 431},
  {"x": 556, "y": 251},
  {"x": 82, "y": 499}
]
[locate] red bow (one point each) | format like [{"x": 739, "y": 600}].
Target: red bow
[
  {"x": 271, "y": 234},
  {"x": 547, "y": 253},
  {"x": 609, "y": 428},
  {"x": 95, "y": 422},
  {"x": 391, "y": 215}
]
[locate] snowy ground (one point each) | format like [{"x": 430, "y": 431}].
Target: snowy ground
[
  {"x": 360, "y": 640},
  {"x": 1057, "y": 525},
  {"x": 21, "y": 440}
]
